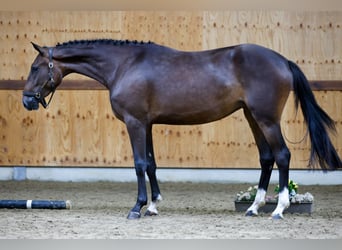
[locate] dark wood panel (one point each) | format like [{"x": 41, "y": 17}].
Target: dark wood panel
[
  {"x": 326, "y": 85},
  {"x": 93, "y": 85},
  {"x": 66, "y": 85}
]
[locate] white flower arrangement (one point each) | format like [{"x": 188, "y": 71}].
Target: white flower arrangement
[
  {"x": 249, "y": 195},
  {"x": 302, "y": 198}
]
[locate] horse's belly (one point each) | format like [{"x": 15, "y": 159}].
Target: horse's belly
[{"x": 196, "y": 115}]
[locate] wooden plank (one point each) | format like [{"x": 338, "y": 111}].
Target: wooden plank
[
  {"x": 66, "y": 85},
  {"x": 334, "y": 85},
  {"x": 326, "y": 85},
  {"x": 312, "y": 39}
]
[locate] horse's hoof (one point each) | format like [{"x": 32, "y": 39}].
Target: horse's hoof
[
  {"x": 150, "y": 213},
  {"x": 277, "y": 217},
  {"x": 133, "y": 215},
  {"x": 250, "y": 213}
]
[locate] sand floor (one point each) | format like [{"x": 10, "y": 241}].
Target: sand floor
[{"x": 188, "y": 211}]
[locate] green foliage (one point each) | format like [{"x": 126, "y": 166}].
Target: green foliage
[{"x": 292, "y": 186}]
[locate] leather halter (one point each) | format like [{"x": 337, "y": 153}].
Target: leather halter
[{"x": 38, "y": 95}]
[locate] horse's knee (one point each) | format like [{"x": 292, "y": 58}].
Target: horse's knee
[
  {"x": 140, "y": 169},
  {"x": 139, "y": 172}
]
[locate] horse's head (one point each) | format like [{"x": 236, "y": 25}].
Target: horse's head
[{"x": 43, "y": 79}]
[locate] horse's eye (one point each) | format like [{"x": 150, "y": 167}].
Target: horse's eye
[{"x": 34, "y": 68}]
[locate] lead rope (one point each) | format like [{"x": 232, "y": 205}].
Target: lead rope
[{"x": 300, "y": 141}]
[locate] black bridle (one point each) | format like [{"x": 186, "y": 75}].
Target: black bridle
[{"x": 38, "y": 95}]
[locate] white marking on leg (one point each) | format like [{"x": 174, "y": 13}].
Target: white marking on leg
[
  {"x": 259, "y": 201},
  {"x": 152, "y": 208},
  {"x": 283, "y": 203}
]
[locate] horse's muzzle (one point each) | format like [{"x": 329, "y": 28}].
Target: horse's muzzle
[{"x": 30, "y": 103}]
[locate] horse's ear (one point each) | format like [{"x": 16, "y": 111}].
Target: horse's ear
[{"x": 38, "y": 48}]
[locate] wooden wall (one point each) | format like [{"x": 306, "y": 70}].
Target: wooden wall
[{"x": 79, "y": 128}]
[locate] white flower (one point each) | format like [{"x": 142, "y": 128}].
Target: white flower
[
  {"x": 243, "y": 196},
  {"x": 300, "y": 198}
]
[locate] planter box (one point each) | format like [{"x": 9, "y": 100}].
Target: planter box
[{"x": 305, "y": 207}]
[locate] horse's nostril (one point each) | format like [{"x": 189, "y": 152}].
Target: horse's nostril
[{"x": 30, "y": 103}]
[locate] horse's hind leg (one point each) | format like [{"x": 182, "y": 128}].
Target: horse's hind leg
[
  {"x": 266, "y": 162},
  {"x": 151, "y": 173},
  {"x": 281, "y": 153}
]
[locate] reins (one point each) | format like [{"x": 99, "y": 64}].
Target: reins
[{"x": 38, "y": 95}]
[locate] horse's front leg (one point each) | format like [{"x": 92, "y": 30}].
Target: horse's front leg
[
  {"x": 140, "y": 169},
  {"x": 151, "y": 173},
  {"x": 137, "y": 134},
  {"x": 156, "y": 196}
]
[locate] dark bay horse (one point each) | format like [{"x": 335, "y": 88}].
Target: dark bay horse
[{"x": 152, "y": 84}]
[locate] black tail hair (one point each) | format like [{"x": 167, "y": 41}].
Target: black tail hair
[{"x": 317, "y": 120}]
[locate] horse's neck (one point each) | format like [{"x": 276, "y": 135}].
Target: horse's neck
[{"x": 97, "y": 66}]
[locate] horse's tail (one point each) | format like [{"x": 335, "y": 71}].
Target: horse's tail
[{"x": 317, "y": 120}]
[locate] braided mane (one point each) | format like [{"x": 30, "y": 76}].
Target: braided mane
[{"x": 103, "y": 41}]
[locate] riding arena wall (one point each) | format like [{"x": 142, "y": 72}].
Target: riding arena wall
[{"x": 79, "y": 128}]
